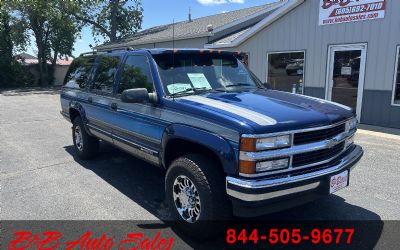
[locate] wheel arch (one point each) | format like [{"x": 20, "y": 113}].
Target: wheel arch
[
  {"x": 75, "y": 110},
  {"x": 179, "y": 140}
]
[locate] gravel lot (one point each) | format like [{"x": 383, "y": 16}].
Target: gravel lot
[{"x": 40, "y": 178}]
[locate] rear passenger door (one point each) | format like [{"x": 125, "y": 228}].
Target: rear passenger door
[
  {"x": 101, "y": 99},
  {"x": 137, "y": 127}
]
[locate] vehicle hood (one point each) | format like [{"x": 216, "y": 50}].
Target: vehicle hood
[{"x": 265, "y": 111}]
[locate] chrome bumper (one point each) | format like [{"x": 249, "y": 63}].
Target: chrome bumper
[{"x": 242, "y": 188}]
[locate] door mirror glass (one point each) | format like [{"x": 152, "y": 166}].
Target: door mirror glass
[{"x": 138, "y": 95}]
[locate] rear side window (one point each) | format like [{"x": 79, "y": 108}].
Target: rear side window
[
  {"x": 78, "y": 73},
  {"x": 105, "y": 74},
  {"x": 136, "y": 73}
]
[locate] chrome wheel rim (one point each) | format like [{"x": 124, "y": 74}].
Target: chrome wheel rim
[
  {"x": 186, "y": 199},
  {"x": 78, "y": 138}
]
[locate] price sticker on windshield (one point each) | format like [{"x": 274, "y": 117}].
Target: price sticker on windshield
[{"x": 199, "y": 80}]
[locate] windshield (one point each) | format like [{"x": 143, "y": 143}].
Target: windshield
[{"x": 192, "y": 72}]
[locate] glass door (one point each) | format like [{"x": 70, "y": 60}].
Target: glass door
[{"x": 346, "y": 70}]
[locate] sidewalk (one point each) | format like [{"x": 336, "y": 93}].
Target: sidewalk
[{"x": 389, "y": 133}]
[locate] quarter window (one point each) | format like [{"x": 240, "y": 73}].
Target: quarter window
[
  {"x": 396, "y": 88},
  {"x": 136, "y": 74},
  {"x": 286, "y": 70},
  {"x": 105, "y": 74},
  {"x": 78, "y": 74}
]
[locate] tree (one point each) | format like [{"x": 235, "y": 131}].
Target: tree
[
  {"x": 111, "y": 19},
  {"x": 53, "y": 30},
  {"x": 13, "y": 37}
]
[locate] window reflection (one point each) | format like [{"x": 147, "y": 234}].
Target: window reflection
[
  {"x": 105, "y": 74},
  {"x": 78, "y": 73},
  {"x": 136, "y": 74},
  {"x": 397, "y": 83},
  {"x": 286, "y": 69}
]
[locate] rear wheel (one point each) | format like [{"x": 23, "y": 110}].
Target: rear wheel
[
  {"x": 86, "y": 146},
  {"x": 195, "y": 192}
]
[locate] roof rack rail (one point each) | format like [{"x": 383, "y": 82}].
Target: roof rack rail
[{"x": 88, "y": 53}]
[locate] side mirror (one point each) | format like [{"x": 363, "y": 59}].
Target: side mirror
[
  {"x": 139, "y": 95},
  {"x": 267, "y": 85}
]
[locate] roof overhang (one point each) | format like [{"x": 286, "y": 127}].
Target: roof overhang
[{"x": 282, "y": 10}]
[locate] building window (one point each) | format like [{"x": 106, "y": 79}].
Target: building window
[
  {"x": 286, "y": 70},
  {"x": 396, "y": 87}
]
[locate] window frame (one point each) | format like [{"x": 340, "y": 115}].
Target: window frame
[
  {"x": 94, "y": 74},
  {"x": 122, "y": 66},
  {"x": 397, "y": 61},
  {"x": 286, "y": 52}
]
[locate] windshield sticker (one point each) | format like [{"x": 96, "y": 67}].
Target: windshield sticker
[
  {"x": 178, "y": 87},
  {"x": 199, "y": 80}
]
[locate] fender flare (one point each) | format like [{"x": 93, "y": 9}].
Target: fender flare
[
  {"x": 217, "y": 144},
  {"x": 74, "y": 105}
]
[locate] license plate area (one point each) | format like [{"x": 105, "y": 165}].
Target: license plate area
[{"x": 338, "y": 181}]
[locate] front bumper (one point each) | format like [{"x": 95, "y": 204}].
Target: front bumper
[{"x": 255, "y": 197}]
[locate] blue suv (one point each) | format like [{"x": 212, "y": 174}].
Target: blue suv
[{"x": 229, "y": 144}]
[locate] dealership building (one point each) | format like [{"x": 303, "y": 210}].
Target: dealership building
[{"x": 345, "y": 51}]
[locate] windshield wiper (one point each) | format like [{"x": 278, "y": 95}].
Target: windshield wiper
[
  {"x": 182, "y": 92},
  {"x": 237, "y": 85},
  {"x": 186, "y": 91}
]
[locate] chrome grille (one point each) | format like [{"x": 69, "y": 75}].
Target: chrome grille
[
  {"x": 317, "y": 156},
  {"x": 318, "y": 135}
]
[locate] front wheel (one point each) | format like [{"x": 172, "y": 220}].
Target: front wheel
[{"x": 195, "y": 192}]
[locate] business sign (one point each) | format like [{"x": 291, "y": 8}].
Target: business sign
[{"x": 344, "y": 11}]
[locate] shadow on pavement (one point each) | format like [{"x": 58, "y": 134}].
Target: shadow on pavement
[{"x": 144, "y": 184}]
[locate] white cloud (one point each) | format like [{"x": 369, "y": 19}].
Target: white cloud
[{"x": 216, "y": 2}]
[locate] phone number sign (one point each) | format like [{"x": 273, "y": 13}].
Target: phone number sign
[{"x": 344, "y": 11}]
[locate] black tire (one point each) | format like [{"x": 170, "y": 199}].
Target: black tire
[
  {"x": 209, "y": 180},
  {"x": 89, "y": 145}
]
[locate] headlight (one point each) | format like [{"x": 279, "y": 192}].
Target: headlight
[
  {"x": 252, "y": 167},
  {"x": 272, "y": 165},
  {"x": 352, "y": 124},
  {"x": 258, "y": 144}
]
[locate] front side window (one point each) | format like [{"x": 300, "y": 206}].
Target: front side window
[
  {"x": 396, "y": 89},
  {"x": 105, "y": 74},
  {"x": 285, "y": 70},
  {"x": 136, "y": 73},
  {"x": 78, "y": 73},
  {"x": 188, "y": 72}
]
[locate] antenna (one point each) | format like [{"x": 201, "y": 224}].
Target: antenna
[
  {"x": 173, "y": 53},
  {"x": 173, "y": 33},
  {"x": 190, "y": 15}
]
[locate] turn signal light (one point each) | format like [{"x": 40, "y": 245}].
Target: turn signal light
[
  {"x": 248, "y": 144},
  {"x": 247, "y": 167}
]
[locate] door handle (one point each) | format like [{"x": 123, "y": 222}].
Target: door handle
[
  {"x": 114, "y": 106},
  {"x": 90, "y": 99}
]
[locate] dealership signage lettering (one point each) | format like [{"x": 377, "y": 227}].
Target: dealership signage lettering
[{"x": 343, "y": 11}]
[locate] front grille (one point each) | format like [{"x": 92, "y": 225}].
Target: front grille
[
  {"x": 316, "y": 156},
  {"x": 318, "y": 135}
]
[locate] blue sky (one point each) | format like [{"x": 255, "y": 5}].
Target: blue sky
[{"x": 157, "y": 12}]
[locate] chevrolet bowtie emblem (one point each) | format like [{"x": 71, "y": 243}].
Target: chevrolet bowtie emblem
[{"x": 332, "y": 142}]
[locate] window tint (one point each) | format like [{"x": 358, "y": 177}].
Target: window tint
[
  {"x": 78, "y": 73},
  {"x": 136, "y": 74},
  {"x": 105, "y": 73},
  {"x": 396, "y": 94},
  {"x": 286, "y": 69}
]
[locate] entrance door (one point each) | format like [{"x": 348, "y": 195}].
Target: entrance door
[{"x": 345, "y": 80}]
